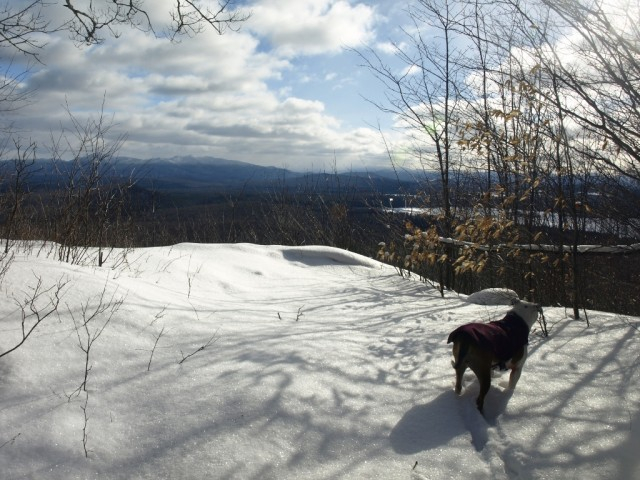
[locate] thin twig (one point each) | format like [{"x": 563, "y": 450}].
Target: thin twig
[
  {"x": 209, "y": 342},
  {"x": 10, "y": 441},
  {"x": 154, "y": 348}
]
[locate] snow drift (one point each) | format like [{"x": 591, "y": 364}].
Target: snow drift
[{"x": 245, "y": 361}]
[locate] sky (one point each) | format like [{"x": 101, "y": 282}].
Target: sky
[
  {"x": 286, "y": 90},
  {"x": 272, "y": 362}
]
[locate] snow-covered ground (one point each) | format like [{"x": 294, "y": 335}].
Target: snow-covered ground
[{"x": 308, "y": 362}]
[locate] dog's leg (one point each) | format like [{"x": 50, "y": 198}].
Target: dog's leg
[
  {"x": 483, "y": 372},
  {"x": 514, "y": 377},
  {"x": 459, "y": 374},
  {"x": 459, "y": 365},
  {"x": 516, "y": 368}
]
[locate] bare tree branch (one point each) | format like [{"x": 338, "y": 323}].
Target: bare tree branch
[
  {"x": 32, "y": 310},
  {"x": 188, "y": 17},
  {"x": 22, "y": 28}
]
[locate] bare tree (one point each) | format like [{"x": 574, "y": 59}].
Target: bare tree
[
  {"x": 16, "y": 189},
  {"x": 90, "y": 192},
  {"x": 426, "y": 97},
  {"x": 598, "y": 70},
  {"x": 488, "y": 87},
  {"x": 24, "y": 26}
]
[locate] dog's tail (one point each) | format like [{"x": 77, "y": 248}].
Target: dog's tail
[
  {"x": 462, "y": 354},
  {"x": 463, "y": 348}
]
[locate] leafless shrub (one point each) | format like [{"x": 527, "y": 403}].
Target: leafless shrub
[
  {"x": 89, "y": 195},
  {"x": 16, "y": 189},
  {"x": 95, "y": 315},
  {"x": 38, "y": 304}
]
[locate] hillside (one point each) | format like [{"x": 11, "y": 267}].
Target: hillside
[{"x": 244, "y": 361}]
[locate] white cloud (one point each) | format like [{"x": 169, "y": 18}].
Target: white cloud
[
  {"x": 308, "y": 27},
  {"x": 216, "y": 95},
  {"x": 388, "y": 47},
  {"x": 411, "y": 70}
]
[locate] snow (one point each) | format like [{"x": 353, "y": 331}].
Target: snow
[
  {"x": 493, "y": 296},
  {"x": 321, "y": 364}
]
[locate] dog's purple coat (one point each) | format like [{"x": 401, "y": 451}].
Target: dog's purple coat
[{"x": 503, "y": 337}]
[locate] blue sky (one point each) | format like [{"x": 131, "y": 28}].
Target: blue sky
[{"x": 285, "y": 90}]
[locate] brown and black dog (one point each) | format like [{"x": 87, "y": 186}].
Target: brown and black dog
[{"x": 483, "y": 346}]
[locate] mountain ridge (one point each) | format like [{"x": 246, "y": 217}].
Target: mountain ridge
[{"x": 184, "y": 173}]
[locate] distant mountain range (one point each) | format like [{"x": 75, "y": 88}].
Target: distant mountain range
[
  {"x": 198, "y": 172},
  {"x": 211, "y": 174},
  {"x": 221, "y": 174}
]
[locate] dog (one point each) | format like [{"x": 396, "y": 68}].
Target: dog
[{"x": 502, "y": 343}]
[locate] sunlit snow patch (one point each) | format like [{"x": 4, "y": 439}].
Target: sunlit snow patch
[{"x": 493, "y": 296}]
